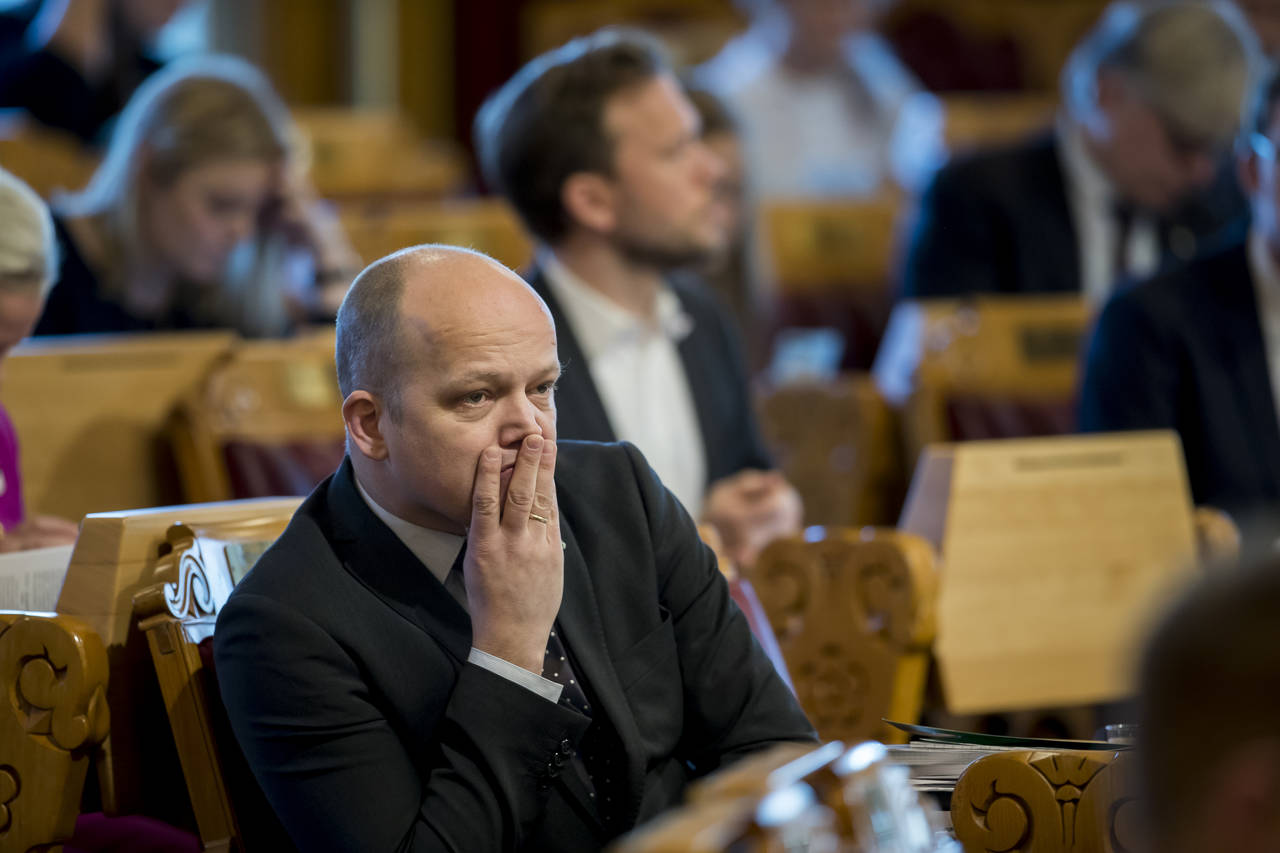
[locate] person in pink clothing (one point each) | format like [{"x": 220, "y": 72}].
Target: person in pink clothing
[{"x": 28, "y": 259}]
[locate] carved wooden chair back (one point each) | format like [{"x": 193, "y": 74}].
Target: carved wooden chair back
[
  {"x": 854, "y": 614},
  {"x": 831, "y": 264},
  {"x": 486, "y": 224},
  {"x": 178, "y": 615},
  {"x": 90, "y": 414},
  {"x": 116, "y": 555},
  {"x": 265, "y": 421},
  {"x": 990, "y": 367},
  {"x": 838, "y": 444},
  {"x": 54, "y": 672},
  {"x": 1069, "y": 801}
]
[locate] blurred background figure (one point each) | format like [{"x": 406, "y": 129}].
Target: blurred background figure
[
  {"x": 1209, "y": 718},
  {"x": 198, "y": 217},
  {"x": 1134, "y": 175},
  {"x": 73, "y": 64},
  {"x": 28, "y": 259},
  {"x": 1197, "y": 349},
  {"x": 826, "y": 108},
  {"x": 599, "y": 150},
  {"x": 729, "y": 272}
]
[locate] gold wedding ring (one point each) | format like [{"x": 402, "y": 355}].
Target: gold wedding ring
[{"x": 536, "y": 517}]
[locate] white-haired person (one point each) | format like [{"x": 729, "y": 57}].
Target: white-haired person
[
  {"x": 198, "y": 216},
  {"x": 1136, "y": 175},
  {"x": 28, "y": 256}
]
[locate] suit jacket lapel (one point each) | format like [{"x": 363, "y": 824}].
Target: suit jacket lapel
[
  {"x": 376, "y": 556},
  {"x": 1061, "y": 255},
  {"x": 583, "y": 632},
  {"x": 582, "y": 415},
  {"x": 1241, "y": 336}
]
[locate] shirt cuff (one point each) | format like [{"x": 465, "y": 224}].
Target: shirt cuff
[{"x": 544, "y": 687}]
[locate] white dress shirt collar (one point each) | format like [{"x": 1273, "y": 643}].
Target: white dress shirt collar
[
  {"x": 599, "y": 323},
  {"x": 1092, "y": 198},
  {"x": 434, "y": 548}
]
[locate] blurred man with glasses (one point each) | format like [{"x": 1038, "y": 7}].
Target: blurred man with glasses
[
  {"x": 1198, "y": 349},
  {"x": 1131, "y": 179}
]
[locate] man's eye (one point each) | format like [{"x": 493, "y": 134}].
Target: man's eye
[
  {"x": 475, "y": 398},
  {"x": 547, "y": 388}
]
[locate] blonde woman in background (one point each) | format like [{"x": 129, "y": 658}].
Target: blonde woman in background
[
  {"x": 28, "y": 257},
  {"x": 198, "y": 217}
]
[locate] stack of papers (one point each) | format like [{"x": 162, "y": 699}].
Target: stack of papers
[
  {"x": 934, "y": 766},
  {"x": 935, "y": 758}
]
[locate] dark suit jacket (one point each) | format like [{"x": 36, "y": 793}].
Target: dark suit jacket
[
  {"x": 1185, "y": 351},
  {"x": 713, "y": 364},
  {"x": 1000, "y": 222},
  {"x": 342, "y": 661}
]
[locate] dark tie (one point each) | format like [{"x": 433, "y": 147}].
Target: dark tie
[
  {"x": 599, "y": 751},
  {"x": 556, "y": 667}
]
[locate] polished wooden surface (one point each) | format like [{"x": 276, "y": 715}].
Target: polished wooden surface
[
  {"x": 1057, "y": 552},
  {"x": 90, "y": 413}
]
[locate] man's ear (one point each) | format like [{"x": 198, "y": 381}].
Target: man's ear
[
  {"x": 590, "y": 199},
  {"x": 362, "y": 413}
]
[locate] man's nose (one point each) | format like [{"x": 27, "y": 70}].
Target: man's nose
[{"x": 519, "y": 418}]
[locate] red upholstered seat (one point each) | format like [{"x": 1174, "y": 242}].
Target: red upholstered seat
[
  {"x": 260, "y": 470},
  {"x": 975, "y": 417},
  {"x": 98, "y": 833}
]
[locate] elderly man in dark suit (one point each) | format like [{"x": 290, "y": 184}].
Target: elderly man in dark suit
[
  {"x": 598, "y": 149},
  {"x": 474, "y": 636},
  {"x": 1133, "y": 177},
  {"x": 1198, "y": 349}
]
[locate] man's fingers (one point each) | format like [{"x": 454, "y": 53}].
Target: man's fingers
[
  {"x": 485, "y": 500},
  {"x": 524, "y": 481},
  {"x": 544, "y": 496}
]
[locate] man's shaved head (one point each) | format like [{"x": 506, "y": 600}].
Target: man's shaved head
[{"x": 377, "y": 333}]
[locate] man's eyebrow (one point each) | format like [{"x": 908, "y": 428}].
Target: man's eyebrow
[
  {"x": 476, "y": 376},
  {"x": 494, "y": 378}
]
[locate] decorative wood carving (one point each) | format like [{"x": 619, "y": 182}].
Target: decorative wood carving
[
  {"x": 837, "y": 442},
  {"x": 1025, "y": 801},
  {"x": 848, "y": 607},
  {"x": 54, "y": 672}
]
